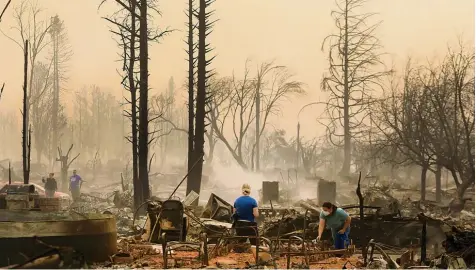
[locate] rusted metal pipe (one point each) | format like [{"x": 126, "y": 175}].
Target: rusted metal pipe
[
  {"x": 288, "y": 259},
  {"x": 335, "y": 251},
  {"x": 164, "y": 250},
  {"x": 304, "y": 248},
  {"x": 205, "y": 249}
]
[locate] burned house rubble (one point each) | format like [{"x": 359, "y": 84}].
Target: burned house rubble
[{"x": 102, "y": 230}]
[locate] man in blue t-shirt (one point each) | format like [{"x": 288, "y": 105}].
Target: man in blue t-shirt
[
  {"x": 75, "y": 185},
  {"x": 245, "y": 210}
]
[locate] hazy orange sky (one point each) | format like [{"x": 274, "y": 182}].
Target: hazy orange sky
[{"x": 289, "y": 31}]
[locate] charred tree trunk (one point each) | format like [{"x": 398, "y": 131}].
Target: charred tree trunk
[
  {"x": 438, "y": 183},
  {"x": 144, "y": 102},
  {"x": 361, "y": 198},
  {"x": 466, "y": 183},
  {"x": 424, "y": 170},
  {"x": 195, "y": 180},
  {"x": 258, "y": 101},
  {"x": 133, "y": 89},
  {"x": 191, "y": 93},
  {"x": 347, "y": 140},
  {"x": 25, "y": 141},
  {"x": 55, "y": 106},
  {"x": 211, "y": 150}
]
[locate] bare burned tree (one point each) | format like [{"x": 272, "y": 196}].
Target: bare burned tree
[
  {"x": 61, "y": 54},
  {"x": 353, "y": 73},
  {"x": 41, "y": 110},
  {"x": 30, "y": 27},
  {"x": 65, "y": 164},
  {"x": 450, "y": 129},
  {"x": 146, "y": 34},
  {"x": 95, "y": 164},
  {"x": 403, "y": 114},
  {"x": 235, "y": 99},
  {"x": 126, "y": 21},
  {"x": 143, "y": 130},
  {"x": 191, "y": 49},
  {"x": 134, "y": 34},
  {"x": 311, "y": 155},
  {"x": 431, "y": 121},
  {"x": 203, "y": 95}
]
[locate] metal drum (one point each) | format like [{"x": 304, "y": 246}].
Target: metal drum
[{"x": 93, "y": 235}]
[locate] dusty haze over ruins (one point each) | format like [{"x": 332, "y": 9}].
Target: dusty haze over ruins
[
  {"x": 245, "y": 134},
  {"x": 290, "y": 32}
]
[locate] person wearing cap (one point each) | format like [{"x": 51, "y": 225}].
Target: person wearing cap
[
  {"x": 75, "y": 185},
  {"x": 336, "y": 219},
  {"x": 245, "y": 210}
]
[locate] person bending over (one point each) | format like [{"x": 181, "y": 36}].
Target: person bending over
[{"x": 338, "y": 221}]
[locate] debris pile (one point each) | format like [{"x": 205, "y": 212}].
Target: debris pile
[
  {"x": 185, "y": 236},
  {"x": 460, "y": 244}
]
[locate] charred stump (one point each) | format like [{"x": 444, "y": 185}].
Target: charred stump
[{"x": 361, "y": 198}]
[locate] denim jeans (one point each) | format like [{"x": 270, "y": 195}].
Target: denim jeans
[
  {"x": 243, "y": 228},
  {"x": 341, "y": 241}
]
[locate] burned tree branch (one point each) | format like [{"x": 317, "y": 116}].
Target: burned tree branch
[
  {"x": 4, "y": 9},
  {"x": 1, "y": 90}
]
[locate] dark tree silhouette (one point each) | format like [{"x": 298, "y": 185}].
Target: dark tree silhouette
[
  {"x": 143, "y": 142},
  {"x": 191, "y": 48},
  {"x": 26, "y": 144},
  {"x": 430, "y": 120},
  {"x": 126, "y": 22},
  {"x": 134, "y": 33},
  {"x": 61, "y": 54},
  {"x": 353, "y": 60},
  {"x": 65, "y": 164},
  {"x": 203, "y": 96}
]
